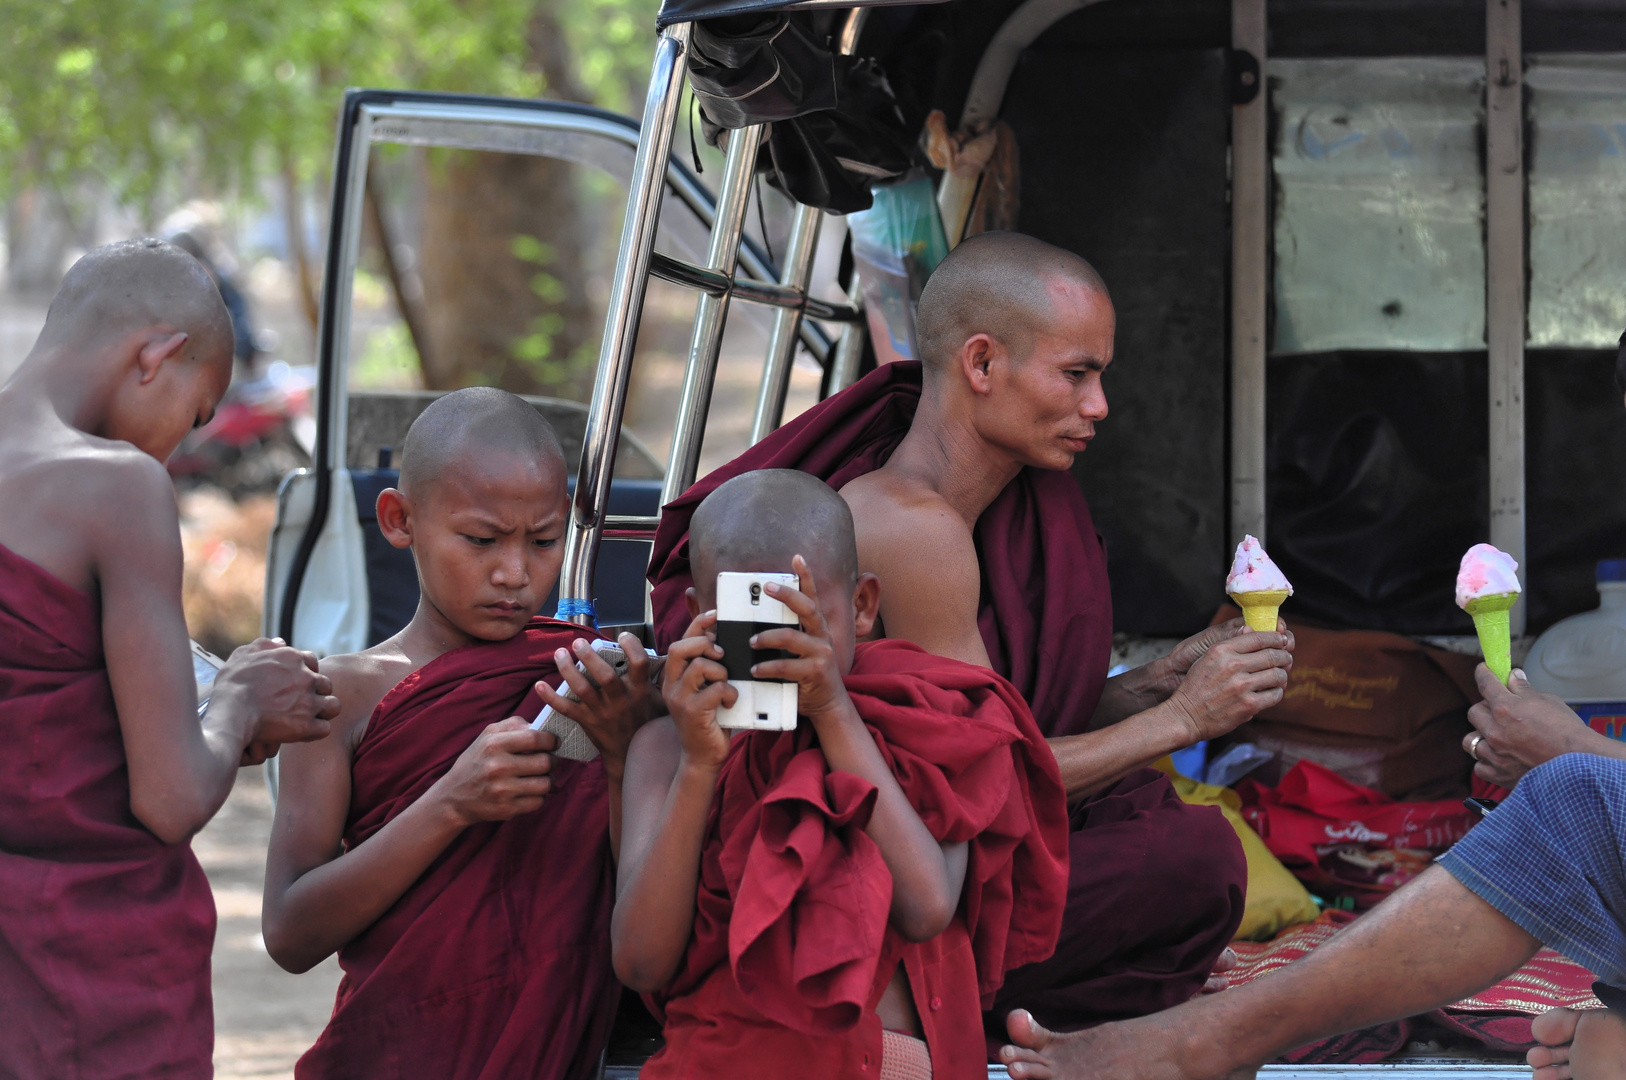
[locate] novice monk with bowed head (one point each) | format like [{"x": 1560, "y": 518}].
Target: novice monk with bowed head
[
  {"x": 106, "y": 919},
  {"x": 842, "y": 899},
  {"x": 459, "y": 869}
]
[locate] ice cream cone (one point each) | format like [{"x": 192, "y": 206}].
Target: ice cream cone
[
  {"x": 1259, "y": 608},
  {"x": 1495, "y": 638}
]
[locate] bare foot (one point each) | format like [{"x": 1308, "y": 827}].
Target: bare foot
[
  {"x": 1589, "y": 1044},
  {"x": 1129, "y": 1050},
  {"x": 1216, "y": 980}
]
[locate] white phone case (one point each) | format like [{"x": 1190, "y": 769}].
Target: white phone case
[{"x": 762, "y": 706}]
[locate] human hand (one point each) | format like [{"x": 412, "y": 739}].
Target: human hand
[
  {"x": 1232, "y": 682},
  {"x": 694, "y": 685},
  {"x": 610, "y": 708},
  {"x": 502, "y": 774},
  {"x": 1517, "y": 727},
  {"x": 1161, "y": 677},
  {"x": 282, "y": 688},
  {"x": 821, "y": 695}
]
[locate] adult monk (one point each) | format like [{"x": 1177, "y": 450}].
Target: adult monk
[
  {"x": 986, "y": 553},
  {"x": 106, "y": 920}
]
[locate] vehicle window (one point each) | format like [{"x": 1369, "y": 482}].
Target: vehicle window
[
  {"x": 1379, "y": 230},
  {"x": 479, "y": 267},
  {"x": 1577, "y": 178}
]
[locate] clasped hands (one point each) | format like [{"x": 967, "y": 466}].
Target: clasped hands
[{"x": 1215, "y": 681}]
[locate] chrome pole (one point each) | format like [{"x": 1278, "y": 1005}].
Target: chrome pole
[
  {"x": 711, "y": 312},
  {"x": 787, "y": 323},
  {"x": 850, "y": 346},
  {"x": 609, "y": 399}
]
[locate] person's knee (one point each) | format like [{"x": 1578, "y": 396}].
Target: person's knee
[
  {"x": 1575, "y": 780},
  {"x": 1208, "y": 864}
]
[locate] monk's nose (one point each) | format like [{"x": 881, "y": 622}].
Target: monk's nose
[{"x": 510, "y": 571}]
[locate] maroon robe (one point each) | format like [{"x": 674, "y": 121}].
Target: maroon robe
[
  {"x": 1166, "y": 879},
  {"x": 792, "y": 948},
  {"x": 496, "y": 963},
  {"x": 105, "y": 930}
]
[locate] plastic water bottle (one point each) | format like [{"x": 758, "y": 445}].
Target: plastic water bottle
[{"x": 1583, "y": 658}]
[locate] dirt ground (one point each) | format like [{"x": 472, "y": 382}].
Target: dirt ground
[{"x": 264, "y": 1017}]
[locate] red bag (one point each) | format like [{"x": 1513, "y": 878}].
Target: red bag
[{"x": 1342, "y": 839}]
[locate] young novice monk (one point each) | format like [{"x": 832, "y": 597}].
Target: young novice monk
[
  {"x": 106, "y": 920},
  {"x": 843, "y": 899},
  {"x": 459, "y": 869}
]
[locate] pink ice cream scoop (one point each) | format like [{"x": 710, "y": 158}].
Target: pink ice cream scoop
[
  {"x": 1253, "y": 571},
  {"x": 1486, "y": 571}
]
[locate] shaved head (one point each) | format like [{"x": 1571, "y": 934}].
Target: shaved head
[
  {"x": 994, "y": 283},
  {"x": 136, "y": 284},
  {"x": 761, "y": 520},
  {"x": 465, "y": 424}
]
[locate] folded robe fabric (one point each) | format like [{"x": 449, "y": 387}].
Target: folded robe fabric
[
  {"x": 1046, "y": 610},
  {"x": 105, "y": 930},
  {"x": 496, "y": 963},
  {"x": 791, "y": 948},
  {"x": 1166, "y": 877}
]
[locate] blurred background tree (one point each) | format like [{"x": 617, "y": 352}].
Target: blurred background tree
[{"x": 153, "y": 102}]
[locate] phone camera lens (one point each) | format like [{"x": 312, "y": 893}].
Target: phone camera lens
[{"x": 756, "y": 593}]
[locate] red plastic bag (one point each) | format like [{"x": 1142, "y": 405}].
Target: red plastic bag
[{"x": 1342, "y": 839}]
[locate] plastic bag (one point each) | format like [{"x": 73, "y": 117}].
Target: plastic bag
[{"x": 897, "y": 243}]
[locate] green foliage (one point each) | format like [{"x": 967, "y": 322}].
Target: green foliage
[{"x": 152, "y": 97}]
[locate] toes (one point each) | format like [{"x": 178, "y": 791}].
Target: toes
[
  {"x": 1227, "y": 960},
  {"x": 1555, "y": 1027},
  {"x": 1028, "y": 1070},
  {"x": 1025, "y": 1031}
]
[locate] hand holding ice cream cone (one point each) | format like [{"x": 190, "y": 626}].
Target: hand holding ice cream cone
[
  {"x": 1487, "y": 589},
  {"x": 1257, "y": 585}
]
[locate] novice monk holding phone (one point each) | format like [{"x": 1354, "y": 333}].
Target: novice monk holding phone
[
  {"x": 106, "y": 919},
  {"x": 841, "y": 899},
  {"x": 461, "y": 871}
]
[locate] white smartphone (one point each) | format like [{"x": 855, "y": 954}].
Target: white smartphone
[
  {"x": 745, "y": 608},
  {"x": 573, "y": 741},
  {"x": 205, "y": 666}
]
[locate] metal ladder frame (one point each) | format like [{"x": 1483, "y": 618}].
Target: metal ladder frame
[{"x": 636, "y": 262}]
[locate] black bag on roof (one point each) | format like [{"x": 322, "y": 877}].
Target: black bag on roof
[{"x": 837, "y": 127}]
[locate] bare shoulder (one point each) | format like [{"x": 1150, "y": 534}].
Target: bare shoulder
[
  {"x": 360, "y": 681},
  {"x": 79, "y": 506},
  {"x": 901, "y": 525}
]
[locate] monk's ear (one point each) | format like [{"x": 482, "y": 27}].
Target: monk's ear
[
  {"x": 976, "y": 357},
  {"x": 691, "y": 601},
  {"x": 154, "y": 351},
  {"x": 394, "y": 517},
  {"x": 866, "y": 605}
]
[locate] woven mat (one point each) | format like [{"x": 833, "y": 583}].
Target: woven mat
[{"x": 1498, "y": 1018}]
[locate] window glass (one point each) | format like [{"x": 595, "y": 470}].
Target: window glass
[
  {"x": 1379, "y": 231},
  {"x": 1577, "y": 200}
]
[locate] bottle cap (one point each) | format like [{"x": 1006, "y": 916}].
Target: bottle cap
[{"x": 1611, "y": 570}]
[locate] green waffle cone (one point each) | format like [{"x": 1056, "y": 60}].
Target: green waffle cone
[{"x": 1495, "y": 637}]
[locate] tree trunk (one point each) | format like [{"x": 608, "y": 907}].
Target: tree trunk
[
  {"x": 505, "y": 296},
  {"x": 502, "y": 259}
]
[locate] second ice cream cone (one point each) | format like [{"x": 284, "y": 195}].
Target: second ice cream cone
[{"x": 1259, "y": 608}]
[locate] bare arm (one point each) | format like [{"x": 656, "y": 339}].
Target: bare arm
[
  {"x": 671, "y": 776},
  {"x": 181, "y": 770},
  {"x": 927, "y": 877},
  {"x": 319, "y": 897}
]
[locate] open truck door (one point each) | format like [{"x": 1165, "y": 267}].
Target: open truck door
[{"x": 332, "y": 583}]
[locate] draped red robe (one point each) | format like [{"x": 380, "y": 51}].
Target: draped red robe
[
  {"x": 105, "y": 930},
  {"x": 496, "y": 963},
  {"x": 1157, "y": 887},
  {"x": 791, "y": 949}
]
